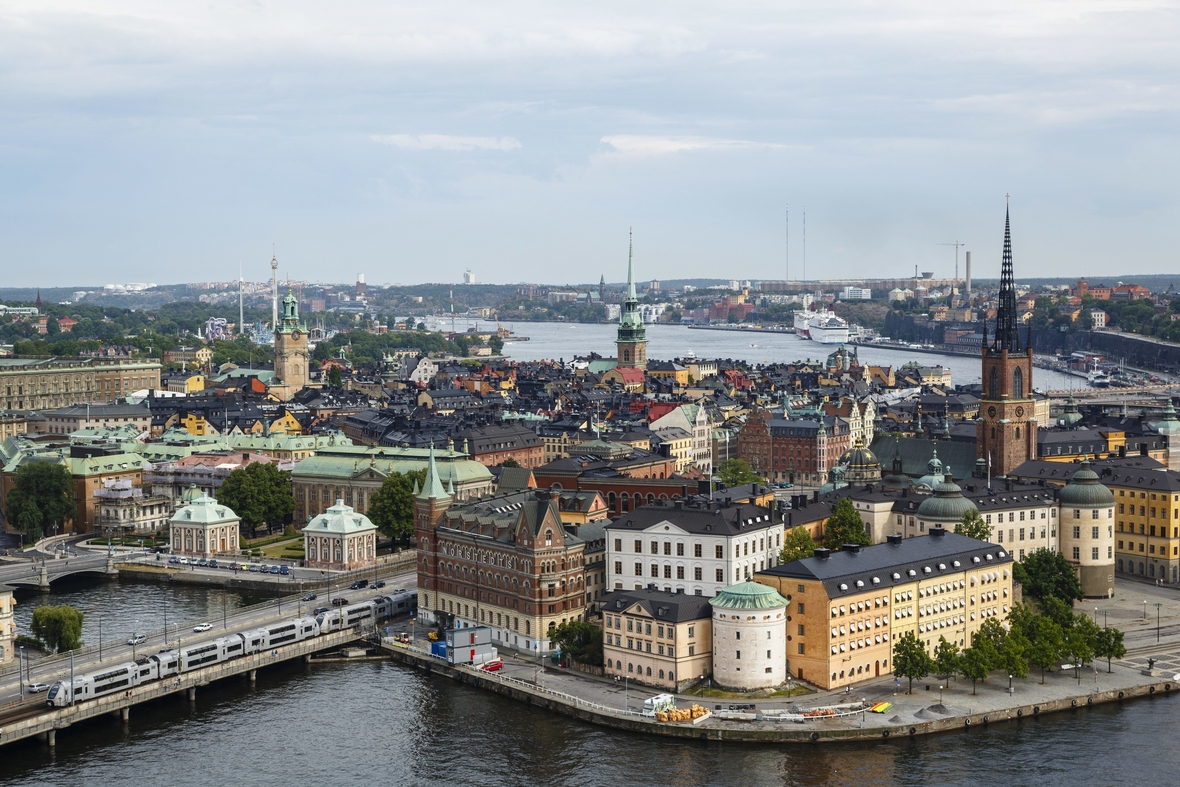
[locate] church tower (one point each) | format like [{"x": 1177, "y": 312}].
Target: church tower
[
  {"x": 632, "y": 340},
  {"x": 1006, "y": 429},
  {"x": 291, "y": 355}
]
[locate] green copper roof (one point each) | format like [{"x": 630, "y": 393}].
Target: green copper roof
[
  {"x": 1084, "y": 489},
  {"x": 748, "y": 595},
  {"x": 947, "y": 504},
  {"x": 432, "y": 487}
]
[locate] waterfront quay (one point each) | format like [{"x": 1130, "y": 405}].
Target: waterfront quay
[{"x": 928, "y": 710}]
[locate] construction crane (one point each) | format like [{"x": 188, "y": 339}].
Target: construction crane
[{"x": 956, "y": 244}]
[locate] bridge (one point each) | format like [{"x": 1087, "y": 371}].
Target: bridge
[
  {"x": 32, "y": 717},
  {"x": 42, "y": 573}
]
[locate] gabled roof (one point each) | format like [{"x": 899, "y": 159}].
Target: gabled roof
[
  {"x": 715, "y": 518},
  {"x": 657, "y": 604}
]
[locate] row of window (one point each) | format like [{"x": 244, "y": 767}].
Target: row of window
[
  {"x": 1052, "y": 514},
  {"x": 739, "y": 550},
  {"x": 1163, "y": 512},
  {"x": 1150, "y": 570},
  {"x": 1163, "y": 530},
  {"x": 1151, "y": 549},
  {"x": 618, "y": 665}
]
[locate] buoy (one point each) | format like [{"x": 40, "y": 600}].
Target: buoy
[
  {"x": 1120, "y": 695},
  {"x": 967, "y": 722},
  {"x": 1089, "y": 700},
  {"x": 986, "y": 719},
  {"x": 1036, "y": 709},
  {"x": 1151, "y": 690}
]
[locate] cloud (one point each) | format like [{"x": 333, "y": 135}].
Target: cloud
[
  {"x": 448, "y": 142},
  {"x": 646, "y": 145}
]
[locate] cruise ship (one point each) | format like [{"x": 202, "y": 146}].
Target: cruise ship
[{"x": 829, "y": 329}]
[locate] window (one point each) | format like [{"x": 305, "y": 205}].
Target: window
[
  {"x": 719, "y": 553},
  {"x": 680, "y": 572},
  {"x": 679, "y": 549},
  {"x": 1094, "y": 530},
  {"x": 720, "y": 575},
  {"x": 800, "y": 648},
  {"x": 737, "y": 635},
  {"x": 1094, "y": 553},
  {"x": 739, "y": 655},
  {"x": 994, "y": 386},
  {"x": 692, "y": 631},
  {"x": 696, "y": 550},
  {"x": 800, "y": 630},
  {"x": 655, "y": 570},
  {"x": 692, "y": 650},
  {"x": 638, "y": 547},
  {"x": 1077, "y": 553},
  {"x": 1077, "y": 531},
  {"x": 800, "y": 607},
  {"x": 618, "y": 545},
  {"x": 655, "y": 548},
  {"x": 638, "y": 569},
  {"x": 667, "y": 547}
]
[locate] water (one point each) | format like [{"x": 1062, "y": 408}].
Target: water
[
  {"x": 551, "y": 341},
  {"x": 378, "y": 723}
]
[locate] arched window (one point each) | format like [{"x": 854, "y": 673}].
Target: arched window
[
  {"x": 1018, "y": 384},
  {"x": 994, "y": 384},
  {"x": 548, "y": 538}
]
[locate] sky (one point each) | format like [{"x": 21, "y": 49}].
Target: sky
[{"x": 173, "y": 142}]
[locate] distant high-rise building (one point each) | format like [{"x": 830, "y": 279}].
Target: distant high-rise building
[
  {"x": 361, "y": 287},
  {"x": 468, "y": 277}
]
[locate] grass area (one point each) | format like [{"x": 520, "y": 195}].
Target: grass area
[
  {"x": 279, "y": 548},
  {"x": 255, "y": 543},
  {"x": 720, "y": 694}
]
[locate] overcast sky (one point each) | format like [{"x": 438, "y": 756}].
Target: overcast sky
[{"x": 168, "y": 142}]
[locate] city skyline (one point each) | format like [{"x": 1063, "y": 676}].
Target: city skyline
[{"x": 414, "y": 143}]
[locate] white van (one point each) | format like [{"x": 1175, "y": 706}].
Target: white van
[{"x": 658, "y": 704}]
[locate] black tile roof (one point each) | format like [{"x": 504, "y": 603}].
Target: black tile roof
[
  {"x": 715, "y": 519},
  {"x": 659, "y": 604}
]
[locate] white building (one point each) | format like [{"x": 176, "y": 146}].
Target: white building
[
  {"x": 749, "y": 637},
  {"x": 340, "y": 539},
  {"x": 1098, "y": 318},
  {"x": 7, "y": 624},
  {"x": 697, "y": 547},
  {"x": 124, "y": 508},
  {"x": 468, "y": 277},
  {"x": 695, "y": 419},
  {"x": 204, "y": 528},
  {"x": 856, "y": 294}
]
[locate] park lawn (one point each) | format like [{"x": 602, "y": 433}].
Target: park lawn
[{"x": 278, "y": 549}]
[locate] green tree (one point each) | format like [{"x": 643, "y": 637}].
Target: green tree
[
  {"x": 737, "y": 472},
  {"x": 580, "y": 640},
  {"x": 910, "y": 659},
  {"x": 59, "y": 627},
  {"x": 1046, "y": 642},
  {"x": 946, "y": 658},
  {"x": 973, "y": 526},
  {"x": 392, "y": 506},
  {"x": 259, "y": 493},
  {"x": 1079, "y": 642},
  {"x": 1108, "y": 644},
  {"x": 976, "y": 661},
  {"x": 1058, "y": 611},
  {"x": 510, "y": 462},
  {"x": 845, "y": 526},
  {"x": 43, "y": 495},
  {"x": 797, "y": 544},
  {"x": 496, "y": 343},
  {"x": 1045, "y": 573},
  {"x": 334, "y": 378}
]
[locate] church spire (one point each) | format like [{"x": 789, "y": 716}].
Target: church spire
[
  {"x": 630, "y": 266},
  {"x": 1007, "y": 336},
  {"x": 432, "y": 487}
]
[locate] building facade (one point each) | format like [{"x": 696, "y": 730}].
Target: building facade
[
  {"x": 66, "y": 420},
  {"x": 46, "y": 383},
  {"x": 340, "y": 539},
  {"x": 7, "y": 625},
  {"x": 1147, "y": 522},
  {"x": 124, "y": 509},
  {"x": 693, "y": 546},
  {"x": 204, "y": 528},
  {"x": 657, "y": 638},
  {"x": 749, "y": 637}
]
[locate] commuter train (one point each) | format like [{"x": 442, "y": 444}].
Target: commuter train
[{"x": 146, "y": 669}]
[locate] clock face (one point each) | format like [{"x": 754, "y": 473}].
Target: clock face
[
  {"x": 991, "y": 412},
  {"x": 295, "y": 334},
  {"x": 1019, "y": 412}
]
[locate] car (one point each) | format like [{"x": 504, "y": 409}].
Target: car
[
  {"x": 274, "y": 569},
  {"x": 137, "y": 639},
  {"x": 493, "y": 665},
  {"x": 283, "y": 569},
  {"x": 253, "y": 568},
  {"x": 378, "y": 584},
  {"x": 202, "y": 562},
  {"x": 174, "y": 559},
  {"x": 212, "y": 564},
  {"x": 358, "y": 584},
  {"x": 339, "y": 602},
  {"x": 184, "y": 561},
  {"x": 37, "y": 688},
  {"x": 263, "y": 568},
  {"x": 319, "y": 611},
  {"x": 309, "y": 596},
  {"x": 202, "y": 627}
]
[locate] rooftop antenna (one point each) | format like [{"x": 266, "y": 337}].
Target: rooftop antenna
[
  {"x": 241, "y": 323},
  {"x": 274, "y": 287}
]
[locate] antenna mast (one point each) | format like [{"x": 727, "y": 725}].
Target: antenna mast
[
  {"x": 956, "y": 244},
  {"x": 788, "y": 243}
]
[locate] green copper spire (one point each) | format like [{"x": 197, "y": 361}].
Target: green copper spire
[
  {"x": 432, "y": 487},
  {"x": 630, "y": 320},
  {"x": 631, "y": 265}
]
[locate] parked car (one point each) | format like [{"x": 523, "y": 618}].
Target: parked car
[
  {"x": 309, "y": 597},
  {"x": 202, "y": 562},
  {"x": 318, "y": 611},
  {"x": 37, "y": 688},
  {"x": 274, "y": 569},
  {"x": 174, "y": 559},
  {"x": 137, "y": 639},
  {"x": 358, "y": 584},
  {"x": 283, "y": 569},
  {"x": 197, "y": 629},
  {"x": 184, "y": 561},
  {"x": 213, "y": 563},
  {"x": 378, "y": 584},
  {"x": 253, "y": 568},
  {"x": 493, "y": 665}
]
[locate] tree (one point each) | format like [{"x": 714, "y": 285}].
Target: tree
[
  {"x": 845, "y": 526},
  {"x": 42, "y": 496},
  {"x": 797, "y": 544},
  {"x": 973, "y": 526},
  {"x": 259, "y": 493},
  {"x": 59, "y": 627},
  {"x": 910, "y": 659},
  {"x": 392, "y": 506},
  {"x": 977, "y": 661},
  {"x": 510, "y": 462},
  {"x": 946, "y": 658},
  {"x": 1079, "y": 641},
  {"x": 1045, "y": 573},
  {"x": 580, "y": 640},
  {"x": 737, "y": 472},
  {"x": 496, "y": 343},
  {"x": 1046, "y": 642},
  {"x": 1108, "y": 644},
  {"x": 334, "y": 378}
]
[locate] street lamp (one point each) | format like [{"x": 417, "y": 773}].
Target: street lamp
[
  {"x": 1009, "y": 685},
  {"x": 1145, "y": 609},
  {"x": 1095, "y": 616},
  {"x": 1158, "y": 604}
]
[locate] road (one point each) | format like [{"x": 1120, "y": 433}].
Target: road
[
  {"x": 58, "y": 668},
  {"x": 25, "y": 570}
]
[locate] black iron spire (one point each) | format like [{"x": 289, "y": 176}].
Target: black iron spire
[{"x": 1007, "y": 335}]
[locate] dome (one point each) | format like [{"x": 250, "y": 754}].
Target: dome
[
  {"x": 748, "y": 595},
  {"x": 835, "y": 480},
  {"x": 947, "y": 504},
  {"x": 934, "y": 472},
  {"x": 859, "y": 457},
  {"x": 1070, "y": 415},
  {"x": 1085, "y": 490},
  {"x": 190, "y": 494},
  {"x": 339, "y": 520}
]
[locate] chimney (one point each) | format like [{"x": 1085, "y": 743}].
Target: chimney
[
  {"x": 815, "y": 496},
  {"x": 1123, "y": 451},
  {"x": 968, "y": 276},
  {"x": 684, "y": 490},
  {"x": 937, "y": 530},
  {"x": 822, "y": 553},
  {"x": 894, "y": 538},
  {"x": 853, "y": 548},
  {"x": 1143, "y": 449}
]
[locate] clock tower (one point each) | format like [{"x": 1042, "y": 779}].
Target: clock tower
[
  {"x": 1006, "y": 429},
  {"x": 632, "y": 337},
  {"x": 291, "y": 355}
]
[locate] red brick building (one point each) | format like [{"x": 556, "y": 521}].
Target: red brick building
[
  {"x": 493, "y": 445},
  {"x": 797, "y": 450}
]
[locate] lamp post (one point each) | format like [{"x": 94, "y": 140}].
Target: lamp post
[
  {"x": 1095, "y": 616},
  {"x": 1009, "y": 685},
  {"x": 224, "y": 593},
  {"x": 1158, "y": 604},
  {"x": 1105, "y": 619},
  {"x": 1144, "y": 609},
  {"x": 100, "y": 637}
]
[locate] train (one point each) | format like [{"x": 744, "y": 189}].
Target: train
[{"x": 170, "y": 663}]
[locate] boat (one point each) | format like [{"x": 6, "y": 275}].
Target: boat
[
  {"x": 829, "y": 329},
  {"x": 803, "y": 323},
  {"x": 1098, "y": 378}
]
